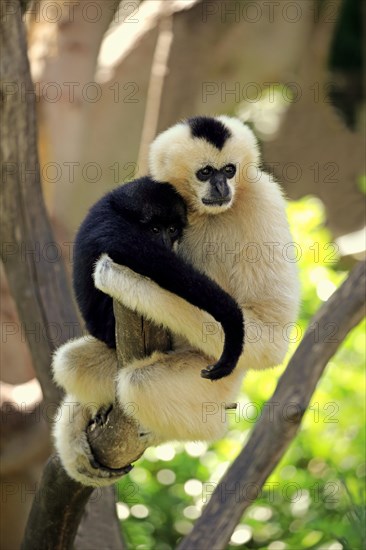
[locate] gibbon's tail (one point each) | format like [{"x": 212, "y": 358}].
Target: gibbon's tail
[{"x": 176, "y": 275}]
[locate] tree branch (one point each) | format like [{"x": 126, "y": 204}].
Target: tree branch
[
  {"x": 91, "y": 533},
  {"x": 56, "y": 511},
  {"x": 38, "y": 284},
  {"x": 271, "y": 437}
]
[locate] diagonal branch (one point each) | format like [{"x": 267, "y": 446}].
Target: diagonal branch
[{"x": 272, "y": 435}]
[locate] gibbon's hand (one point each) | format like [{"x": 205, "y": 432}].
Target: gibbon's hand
[
  {"x": 106, "y": 275},
  {"x": 217, "y": 371}
]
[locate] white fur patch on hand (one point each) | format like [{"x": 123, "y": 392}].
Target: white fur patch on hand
[
  {"x": 108, "y": 275},
  {"x": 102, "y": 272}
]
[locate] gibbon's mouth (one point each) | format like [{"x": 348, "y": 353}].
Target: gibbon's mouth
[{"x": 216, "y": 202}]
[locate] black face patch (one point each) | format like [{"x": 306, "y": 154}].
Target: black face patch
[{"x": 210, "y": 129}]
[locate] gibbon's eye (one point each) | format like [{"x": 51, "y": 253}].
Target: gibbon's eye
[
  {"x": 156, "y": 230},
  {"x": 204, "y": 173},
  {"x": 173, "y": 230},
  {"x": 229, "y": 170}
]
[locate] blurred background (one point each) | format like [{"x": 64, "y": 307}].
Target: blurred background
[{"x": 108, "y": 77}]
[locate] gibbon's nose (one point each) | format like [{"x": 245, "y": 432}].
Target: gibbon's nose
[
  {"x": 166, "y": 239},
  {"x": 220, "y": 188}
]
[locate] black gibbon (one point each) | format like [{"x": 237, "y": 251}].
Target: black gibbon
[
  {"x": 237, "y": 234},
  {"x": 137, "y": 225}
]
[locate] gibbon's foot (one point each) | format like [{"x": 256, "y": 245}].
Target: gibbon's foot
[
  {"x": 86, "y": 368},
  {"x": 72, "y": 445},
  {"x": 216, "y": 372}
]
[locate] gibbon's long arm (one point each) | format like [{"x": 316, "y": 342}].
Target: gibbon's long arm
[
  {"x": 177, "y": 276},
  {"x": 163, "y": 308}
]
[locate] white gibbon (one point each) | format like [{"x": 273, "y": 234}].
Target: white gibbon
[{"x": 237, "y": 233}]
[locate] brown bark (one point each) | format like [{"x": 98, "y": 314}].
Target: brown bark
[
  {"x": 24, "y": 438},
  {"x": 15, "y": 359},
  {"x": 101, "y": 505},
  {"x": 24, "y": 446},
  {"x": 56, "y": 511},
  {"x": 38, "y": 283}
]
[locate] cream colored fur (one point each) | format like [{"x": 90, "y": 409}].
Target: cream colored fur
[
  {"x": 182, "y": 408},
  {"x": 86, "y": 367},
  {"x": 243, "y": 247}
]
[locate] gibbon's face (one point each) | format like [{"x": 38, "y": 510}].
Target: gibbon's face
[
  {"x": 206, "y": 159},
  {"x": 163, "y": 224},
  {"x": 154, "y": 209},
  {"x": 166, "y": 234}
]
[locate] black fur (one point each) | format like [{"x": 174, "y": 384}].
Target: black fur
[
  {"x": 210, "y": 129},
  {"x": 120, "y": 225}
]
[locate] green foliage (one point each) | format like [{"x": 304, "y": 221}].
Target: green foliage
[
  {"x": 361, "y": 183},
  {"x": 313, "y": 500}
]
